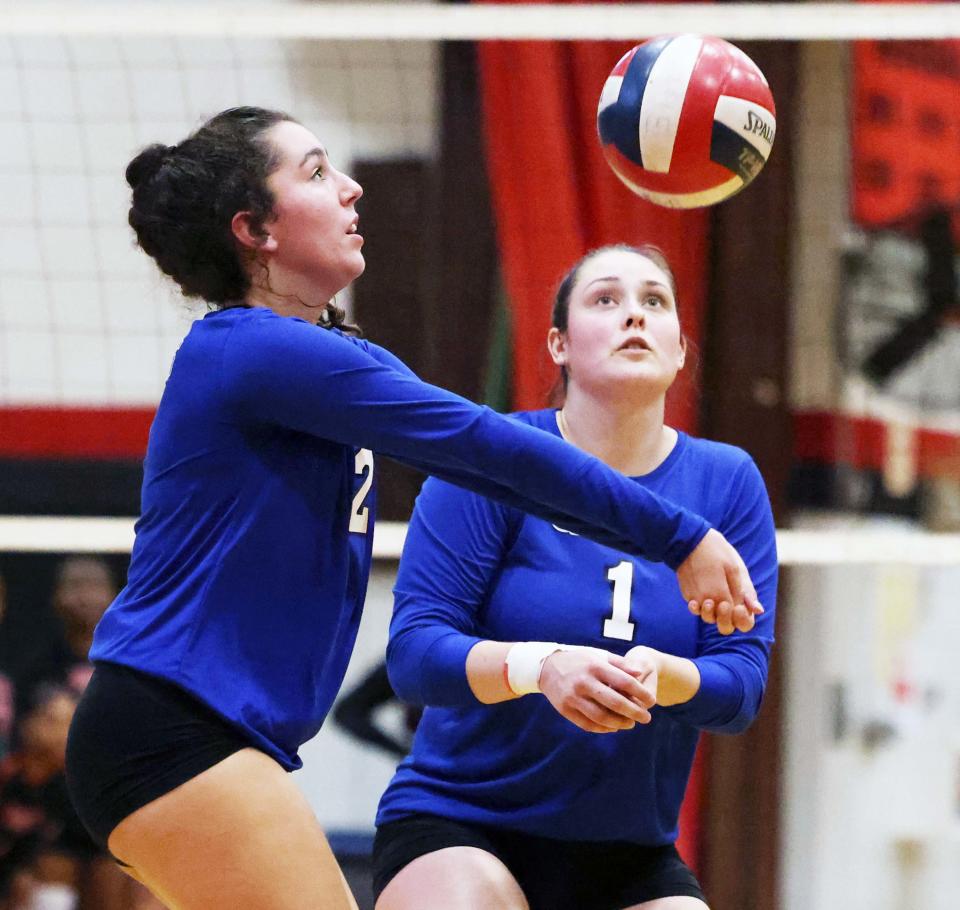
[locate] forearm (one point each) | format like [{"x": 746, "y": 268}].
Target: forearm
[
  {"x": 731, "y": 688},
  {"x": 485, "y": 672},
  {"x": 426, "y": 665},
  {"x": 678, "y": 678},
  {"x": 531, "y": 470}
]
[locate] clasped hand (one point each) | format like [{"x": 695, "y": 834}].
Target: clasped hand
[{"x": 599, "y": 691}]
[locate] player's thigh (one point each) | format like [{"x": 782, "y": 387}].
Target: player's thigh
[
  {"x": 671, "y": 903},
  {"x": 240, "y": 834},
  {"x": 454, "y": 878}
]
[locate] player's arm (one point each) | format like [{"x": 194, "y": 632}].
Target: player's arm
[
  {"x": 678, "y": 678},
  {"x": 316, "y": 381},
  {"x": 287, "y": 372},
  {"x": 731, "y": 670},
  {"x": 387, "y": 358}
]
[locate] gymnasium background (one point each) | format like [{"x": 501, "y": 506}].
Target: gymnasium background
[{"x": 821, "y": 303}]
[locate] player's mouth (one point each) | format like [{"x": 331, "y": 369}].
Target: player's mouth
[{"x": 634, "y": 344}]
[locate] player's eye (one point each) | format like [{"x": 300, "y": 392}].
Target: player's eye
[
  {"x": 654, "y": 300},
  {"x": 606, "y": 300},
  {"x": 318, "y": 173}
]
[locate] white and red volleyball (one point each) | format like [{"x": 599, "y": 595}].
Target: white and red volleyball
[{"x": 686, "y": 120}]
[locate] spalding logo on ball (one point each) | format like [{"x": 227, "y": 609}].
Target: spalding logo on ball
[{"x": 685, "y": 120}]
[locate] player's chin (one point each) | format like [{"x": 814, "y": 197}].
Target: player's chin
[
  {"x": 649, "y": 379},
  {"x": 355, "y": 265}
]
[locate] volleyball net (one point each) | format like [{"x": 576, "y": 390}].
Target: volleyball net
[{"x": 88, "y": 329}]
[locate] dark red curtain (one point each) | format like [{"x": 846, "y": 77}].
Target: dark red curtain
[{"x": 554, "y": 197}]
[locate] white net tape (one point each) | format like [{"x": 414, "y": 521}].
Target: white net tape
[
  {"x": 428, "y": 21},
  {"x": 56, "y": 534}
]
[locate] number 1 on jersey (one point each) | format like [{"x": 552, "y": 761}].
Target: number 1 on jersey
[
  {"x": 359, "y": 513},
  {"x": 619, "y": 625}
]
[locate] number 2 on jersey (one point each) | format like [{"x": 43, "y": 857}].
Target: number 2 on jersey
[
  {"x": 619, "y": 625},
  {"x": 359, "y": 513}
]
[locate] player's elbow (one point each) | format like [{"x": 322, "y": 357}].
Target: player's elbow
[
  {"x": 741, "y": 720},
  {"x": 739, "y": 724},
  {"x": 403, "y": 671}
]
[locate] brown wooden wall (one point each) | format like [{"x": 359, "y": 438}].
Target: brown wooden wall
[
  {"x": 430, "y": 288},
  {"x": 745, "y": 402}
]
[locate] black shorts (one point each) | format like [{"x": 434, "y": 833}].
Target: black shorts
[
  {"x": 553, "y": 874},
  {"x": 135, "y": 738}
]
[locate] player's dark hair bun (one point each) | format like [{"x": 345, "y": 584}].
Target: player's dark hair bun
[
  {"x": 185, "y": 196},
  {"x": 147, "y": 163}
]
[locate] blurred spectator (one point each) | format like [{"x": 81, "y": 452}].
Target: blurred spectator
[
  {"x": 42, "y": 842},
  {"x": 47, "y": 859},
  {"x": 83, "y": 589}
]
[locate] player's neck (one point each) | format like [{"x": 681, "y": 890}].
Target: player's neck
[
  {"x": 288, "y": 301},
  {"x": 630, "y": 438}
]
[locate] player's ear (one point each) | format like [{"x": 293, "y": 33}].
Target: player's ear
[
  {"x": 557, "y": 346},
  {"x": 252, "y": 239},
  {"x": 682, "y": 358}
]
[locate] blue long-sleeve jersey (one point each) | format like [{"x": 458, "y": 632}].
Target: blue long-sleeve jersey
[
  {"x": 473, "y": 569},
  {"x": 252, "y": 552}
]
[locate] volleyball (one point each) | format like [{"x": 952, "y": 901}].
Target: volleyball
[{"x": 686, "y": 120}]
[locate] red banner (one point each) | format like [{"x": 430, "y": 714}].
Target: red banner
[{"x": 906, "y": 130}]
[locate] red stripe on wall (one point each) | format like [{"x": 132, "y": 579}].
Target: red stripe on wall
[
  {"x": 118, "y": 433},
  {"x": 837, "y": 439},
  {"x": 91, "y": 433},
  {"x": 861, "y": 442}
]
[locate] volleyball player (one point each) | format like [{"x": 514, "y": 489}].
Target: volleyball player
[
  {"x": 224, "y": 651},
  {"x": 519, "y": 803}
]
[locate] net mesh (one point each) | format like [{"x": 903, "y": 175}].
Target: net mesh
[{"x": 85, "y": 317}]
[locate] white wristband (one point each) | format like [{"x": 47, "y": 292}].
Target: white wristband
[
  {"x": 525, "y": 660},
  {"x": 524, "y": 663}
]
